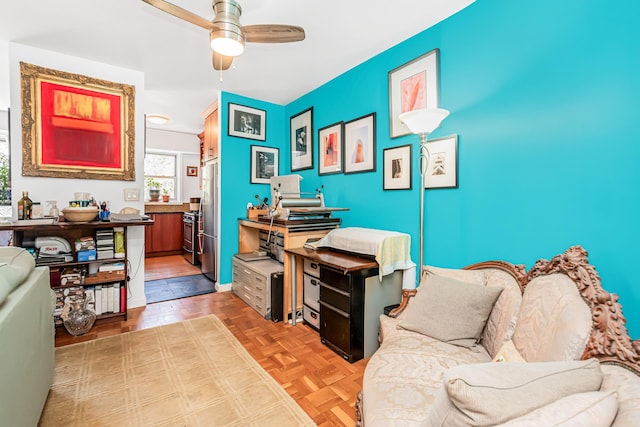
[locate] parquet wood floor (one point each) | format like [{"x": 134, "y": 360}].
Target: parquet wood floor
[
  {"x": 323, "y": 384},
  {"x": 168, "y": 266}
]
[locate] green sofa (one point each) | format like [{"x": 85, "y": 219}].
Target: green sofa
[{"x": 26, "y": 337}]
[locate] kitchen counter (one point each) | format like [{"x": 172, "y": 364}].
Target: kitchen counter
[{"x": 165, "y": 207}]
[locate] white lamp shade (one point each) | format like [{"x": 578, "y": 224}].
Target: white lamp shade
[
  {"x": 424, "y": 120},
  {"x": 227, "y": 43}
]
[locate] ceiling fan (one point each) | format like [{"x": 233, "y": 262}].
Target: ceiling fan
[{"x": 226, "y": 34}]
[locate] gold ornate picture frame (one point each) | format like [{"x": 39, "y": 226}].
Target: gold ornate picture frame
[{"x": 75, "y": 126}]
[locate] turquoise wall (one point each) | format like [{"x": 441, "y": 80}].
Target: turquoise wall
[
  {"x": 543, "y": 96},
  {"x": 236, "y": 190}
]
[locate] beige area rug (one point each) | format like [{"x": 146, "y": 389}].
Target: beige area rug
[{"x": 193, "y": 373}]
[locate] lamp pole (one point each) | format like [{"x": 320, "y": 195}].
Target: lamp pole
[{"x": 424, "y": 161}]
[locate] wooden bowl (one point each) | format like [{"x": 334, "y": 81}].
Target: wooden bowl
[{"x": 86, "y": 214}]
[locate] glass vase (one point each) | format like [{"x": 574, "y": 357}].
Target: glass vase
[{"x": 80, "y": 319}]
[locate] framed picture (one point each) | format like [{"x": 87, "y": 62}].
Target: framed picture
[
  {"x": 301, "y": 128},
  {"x": 412, "y": 86},
  {"x": 442, "y": 168},
  {"x": 330, "y": 149},
  {"x": 192, "y": 171},
  {"x": 264, "y": 164},
  {"x": 360, "y": 144},
  {"x": 397, "y": 168},
  {"x": 247, "y": 122},
  {"x": 75, "y": 126}
]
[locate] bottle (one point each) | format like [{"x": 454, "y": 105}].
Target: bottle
[
  {"x": 36, "y": 210},
  {"x": 24, "y": 206}
]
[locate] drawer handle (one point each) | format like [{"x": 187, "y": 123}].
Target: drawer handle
[
  {"x": 313, "y": 282},
  {"x": 313, "y": 315},
  {"x": 259, "y": 307},
  {"x": 246, "y": 271},
  {"x": 335, "y": 310},
  {"x": 336, "y": 290},
  {"x": 314, "y": 265},
  {"x": 258, "y": 288},
  {"x": 258, "y": 297}
]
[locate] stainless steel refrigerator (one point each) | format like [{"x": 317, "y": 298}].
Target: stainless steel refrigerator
[{"x": 208, "y": 233}]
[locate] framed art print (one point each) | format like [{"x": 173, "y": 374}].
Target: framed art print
[
  {"x": 264, "y": 164},
  {"x": 360, "y": 144},
  {"x": 442, "y": 167},
  {"x": 412, "y": 86},
  {"x": 192, "y": 171},
  {"x": 301, "y": 128},
  {"x": 330, "y": 149},
  {"x": 247, "y": 122},
  {"x": 397, "y": 168},
  {"x": 76, "y": 126}
]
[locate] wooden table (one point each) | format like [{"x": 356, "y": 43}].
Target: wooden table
[{"x": 294, "y": 237}]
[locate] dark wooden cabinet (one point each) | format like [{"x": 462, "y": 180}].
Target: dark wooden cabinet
[
  {"x": 352, "y": 298},
  {"x": 165, "y": 236}
]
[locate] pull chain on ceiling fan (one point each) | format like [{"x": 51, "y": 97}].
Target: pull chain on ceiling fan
[{"x": 226, "y": 35}]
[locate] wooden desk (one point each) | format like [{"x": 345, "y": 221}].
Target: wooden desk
[{"x": 249, "y": 240}]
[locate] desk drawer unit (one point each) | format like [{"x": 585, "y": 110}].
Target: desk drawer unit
[
  {"x": 350, "y": 306},
  {"x": 311, "y": 294},
  {"x": 259, "y": 284}
]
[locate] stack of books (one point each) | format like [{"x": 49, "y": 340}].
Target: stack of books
[
  {"x": 104, "y": 244},
  {"x": 86, "y": 249},
  {"x": 108, "y": 298}
]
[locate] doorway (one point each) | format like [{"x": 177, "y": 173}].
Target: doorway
[{"x": 172, "y": 277}]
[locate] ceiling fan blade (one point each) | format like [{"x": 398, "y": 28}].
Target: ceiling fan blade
[
  {"x": 181, "y": 13},
  {"x": 221, "y": 62},
  {"x": 273, "y": 33}
]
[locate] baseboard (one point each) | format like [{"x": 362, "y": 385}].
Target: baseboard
[{"x": 223, "y": 287}]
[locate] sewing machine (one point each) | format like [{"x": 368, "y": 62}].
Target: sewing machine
[
  {"x": 52, "y": 249},
  {"x": 290, "y": 206}
]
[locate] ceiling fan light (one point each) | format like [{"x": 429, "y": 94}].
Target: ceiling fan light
[{"x": 227, "y": 43}]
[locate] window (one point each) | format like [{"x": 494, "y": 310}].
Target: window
[
  {"x": 5, "y": 166},
  {"x": 162, "y": 169}
]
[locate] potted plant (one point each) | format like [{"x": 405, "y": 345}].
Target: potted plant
[
  {"x": 154, "y": 189},
  {"x": 5, "y": 177},
  {"x": 165, "y": 194}
]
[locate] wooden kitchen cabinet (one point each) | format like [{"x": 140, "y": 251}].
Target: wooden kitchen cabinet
[
  {"x": 164, "y": 237},
  {"x": 210, "y": 138}
]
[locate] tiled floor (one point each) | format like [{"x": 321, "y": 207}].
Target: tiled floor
[{"x": 177, "y": 287}]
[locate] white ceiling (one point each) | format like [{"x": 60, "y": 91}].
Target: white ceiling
[{"x": 175, "y": 56}]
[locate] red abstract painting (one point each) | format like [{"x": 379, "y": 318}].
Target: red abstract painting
[{"x": 80, "y": 127}]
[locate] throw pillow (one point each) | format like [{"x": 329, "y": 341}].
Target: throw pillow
[
  {"x": 508, "y": 353},
  {"x": 593, "y": 409},
  {"x": 450, "y": 310},
  {"x": 487, "y": 394}
]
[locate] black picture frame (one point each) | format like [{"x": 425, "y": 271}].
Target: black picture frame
[
  {"x": 442, "y": 167},
  {"x": 397, "y": 167},
  {"x": 360, "y": 144},
  {"x": 301, "y": 140},
  {"x": 264, "y": 163},
  {"x": 413, "y": 85},
  {"x": 331, "y": 149},
  {"x": 247, "y": 122}
]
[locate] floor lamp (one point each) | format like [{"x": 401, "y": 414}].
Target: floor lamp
[{"x": 422, "y": 122}]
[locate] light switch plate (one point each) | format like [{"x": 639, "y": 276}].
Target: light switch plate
[{"x": 131, "y": 194}]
